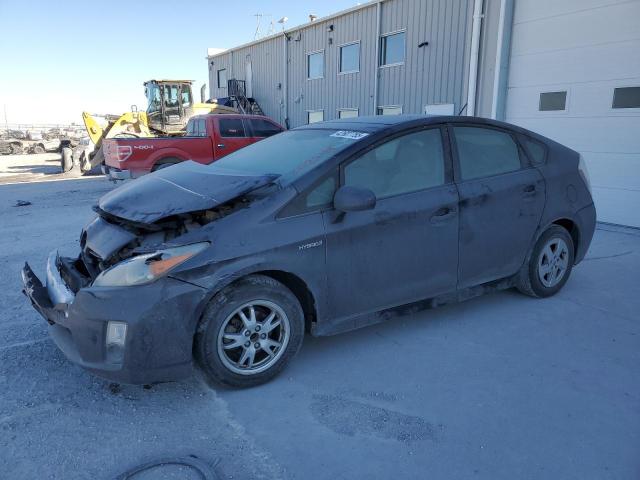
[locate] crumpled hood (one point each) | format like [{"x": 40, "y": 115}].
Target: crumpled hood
[{"x": 183, "y": 188}]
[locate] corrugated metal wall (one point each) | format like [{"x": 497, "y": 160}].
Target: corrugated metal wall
[
  {"x": 438, "y": 72},
  {"x": 435, "y": 73}
]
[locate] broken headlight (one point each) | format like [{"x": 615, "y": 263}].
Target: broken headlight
[{"x": 148, "y": 267}]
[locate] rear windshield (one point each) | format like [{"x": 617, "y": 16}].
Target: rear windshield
[{"x": 289, "y": 154}]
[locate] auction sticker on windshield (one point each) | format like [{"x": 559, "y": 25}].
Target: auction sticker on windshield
[{"x": 349, "y": 134}]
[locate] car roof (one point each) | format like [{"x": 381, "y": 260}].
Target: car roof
[
  {"x": 379, "y": 123},
  {"x": 370, "y": 123}
]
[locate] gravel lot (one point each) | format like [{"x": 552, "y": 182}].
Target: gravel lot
[{"x": 500, "y": 387}]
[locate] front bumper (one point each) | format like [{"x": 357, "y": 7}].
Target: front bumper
[
  {"x": 161, "y": 318},
  {"x": 115, "y": 173}
]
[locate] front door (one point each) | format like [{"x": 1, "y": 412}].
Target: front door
[
  {"x": 232, "y": 134},
  {"x": 501, "y": 202},
  {"x": 406, "y": 248}
]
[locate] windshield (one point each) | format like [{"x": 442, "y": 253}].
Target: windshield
[
  {"x": 289, "y": 154},
  {"x": 153, "y": 98}
]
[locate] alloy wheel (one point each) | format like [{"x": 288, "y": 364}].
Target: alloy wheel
[
  {"x": 253, "y": 337},
  {"x": 553, "y": 262}
]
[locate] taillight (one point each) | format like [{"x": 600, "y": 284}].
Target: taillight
[
  {"x": 123, "y": 152},
  {"x": 584, "y": 173}
]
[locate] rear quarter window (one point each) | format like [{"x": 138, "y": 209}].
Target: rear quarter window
[{"x": 536, "y": 151}]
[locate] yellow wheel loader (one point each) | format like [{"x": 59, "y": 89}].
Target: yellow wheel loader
[{"x": 170, "y": 106}]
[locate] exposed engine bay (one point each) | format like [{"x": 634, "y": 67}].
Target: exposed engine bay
[{"x": 109, "y": 239}]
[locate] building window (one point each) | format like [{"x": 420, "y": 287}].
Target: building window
[
  {"x": 350, "y": 58},
  {"x": 440, "y": 109},
  {"x": 390, "y": 110},
  {"x": 551, "y": 101},
  {"x": 315, "y": 116},
  {"x": 626, "y": 97},
  {"x": 392, "y": 49},
  {"x": 222, "y": 78},
  {"x": 347, "y": 113},
  {"x": 315, "y": 65}
]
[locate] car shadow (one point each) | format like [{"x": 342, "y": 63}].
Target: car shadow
[{"x": 38, "y": 168}]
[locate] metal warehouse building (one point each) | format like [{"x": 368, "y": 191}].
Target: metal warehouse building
[{"x": 567, "y": 69}]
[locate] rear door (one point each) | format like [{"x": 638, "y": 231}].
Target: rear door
[
  {"x": 197, "y": 143},
  {"x": 501, "y": 202},
  {"x": 231, "y": 134},
  {"x": 406, "y": 248}
]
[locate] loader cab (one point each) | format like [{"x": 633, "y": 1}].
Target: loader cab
[{"x": 170, "y": 104}]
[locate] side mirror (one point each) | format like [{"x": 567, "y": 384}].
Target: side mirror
[{"x": 354, "y": 199}]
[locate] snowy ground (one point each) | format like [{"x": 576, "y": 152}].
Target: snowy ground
[
  {"x": 500, "y": 387},
  {"x": 30, "y": 168}
]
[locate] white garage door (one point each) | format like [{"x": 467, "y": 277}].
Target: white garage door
[{"x": 569, "y": 59}]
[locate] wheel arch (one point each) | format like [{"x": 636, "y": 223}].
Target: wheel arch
[
  {"x": 292, "y": 281},
  {"x": 572, "y": 227},
  {"x": 164, "y": 160},
  {"x": 300, "y": 289}
]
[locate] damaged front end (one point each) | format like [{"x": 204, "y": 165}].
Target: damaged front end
[
  {"x": 109, "y": 240},
  {"x": 140, "y": 217},
  {"x": 115, "y": 309}
]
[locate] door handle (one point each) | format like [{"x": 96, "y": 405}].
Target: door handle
[
  {"x": 220, "y": 145},
  {"x": 443, "y": 214},
  {"x": 529, "y": 189}
]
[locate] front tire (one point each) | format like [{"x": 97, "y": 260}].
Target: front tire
[
  {"x": 249, "y": 332},
  {"x": 548, "y": 265}
]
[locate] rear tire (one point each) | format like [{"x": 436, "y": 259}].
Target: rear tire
[
  {"x": 548, "y": 265},
  {"x": 164, "y": 163},
  {"x": 249, "y": 351}
]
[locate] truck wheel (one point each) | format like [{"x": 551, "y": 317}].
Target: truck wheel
[
  {"x": 16, "y": 149},
  {"x": 67, "y": 160},
  {"x": 548, "y": 265},
  {"x": 164, "y": 163},
  {"x": 38, "y": 149},
  {"x": 249, "y": 332}
]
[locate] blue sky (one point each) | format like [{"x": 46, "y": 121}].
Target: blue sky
[{"x": 58, "y": 58}]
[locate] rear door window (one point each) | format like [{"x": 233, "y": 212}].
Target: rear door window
[
  {"x": 263, "y": 128},
  {"x": 484, "y": 152},
  {"x": 232, "y": 127},
  {"x": 202, "y": 127}
]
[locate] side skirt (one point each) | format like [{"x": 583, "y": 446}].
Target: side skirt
[{"x": 332, "y": 327}]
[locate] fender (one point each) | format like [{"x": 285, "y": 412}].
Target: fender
[{"x": 234, "y": 271}]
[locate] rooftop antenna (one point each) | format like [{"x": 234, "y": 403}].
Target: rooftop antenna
[
  {"x": 258, "y": 21},
  {"x": 258, "y": 32}
]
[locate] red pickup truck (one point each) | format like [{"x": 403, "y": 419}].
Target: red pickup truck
[{"x": 208, "y": 138}]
